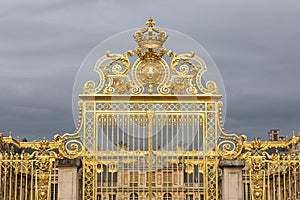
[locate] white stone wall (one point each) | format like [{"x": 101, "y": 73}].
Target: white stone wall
[{"x": 67, "y": 183}]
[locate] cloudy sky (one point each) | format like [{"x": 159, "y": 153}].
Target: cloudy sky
[{"x": 255, "y": 45}]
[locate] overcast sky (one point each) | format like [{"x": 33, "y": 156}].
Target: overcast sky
[{"x": 255, "y": 45}]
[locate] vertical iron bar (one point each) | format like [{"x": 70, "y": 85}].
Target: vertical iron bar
[{"x": 150, "y": 115}]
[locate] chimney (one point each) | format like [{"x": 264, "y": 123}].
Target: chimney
[{"x": 274, "y": 135}]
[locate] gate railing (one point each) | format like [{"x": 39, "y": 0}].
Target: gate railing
[
  {"x": 272, "y": 168},
  {"x": 28, "y": 169}
]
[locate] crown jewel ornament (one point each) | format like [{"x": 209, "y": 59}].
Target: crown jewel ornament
[{"x": 150, "y": 37}]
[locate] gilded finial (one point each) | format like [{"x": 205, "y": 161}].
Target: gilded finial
[
  {"x": 150, "y": 22},
  {"x": 149, "y": 37}
]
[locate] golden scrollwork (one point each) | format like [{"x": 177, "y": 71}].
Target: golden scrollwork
[
  {"x": 150, "y": 73},
  {"x": 230, "y": 145}
]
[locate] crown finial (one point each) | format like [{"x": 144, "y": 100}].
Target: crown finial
[
  {"x": 150, "y": 22},
  {"x": 150, "y": 37}
]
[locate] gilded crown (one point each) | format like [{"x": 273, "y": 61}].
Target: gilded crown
[{"x": 150, "y": 37}]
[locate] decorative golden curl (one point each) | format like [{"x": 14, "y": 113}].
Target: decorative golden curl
[
  {"x": 231, "y": 145},
  {"x": 117, "y": 67},
  {"x": 192, "y": 67},
  {"x": 176, "y": 61},
  {"x": 68, "y": 145},
  {"x": 89, "y": 87}
]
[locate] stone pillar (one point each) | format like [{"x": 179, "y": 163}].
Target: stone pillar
[
  {"x": 68, "y": 184},
  {"x": 232, "y": 179}
]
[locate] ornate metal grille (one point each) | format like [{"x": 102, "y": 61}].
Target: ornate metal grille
[
  {"x": 150, "y": 152},
  {"x": 152, "y": 130}
]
